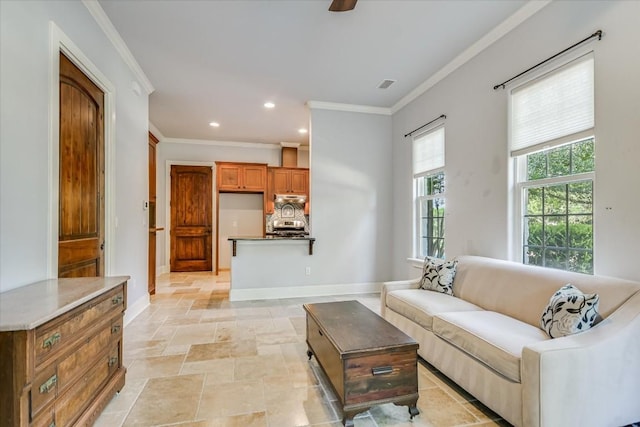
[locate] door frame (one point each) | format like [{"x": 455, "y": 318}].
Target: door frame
[
  {"x": 167, "y": 210},
  {"x": 59, "y": 42}
]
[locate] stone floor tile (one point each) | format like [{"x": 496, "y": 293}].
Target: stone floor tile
[
  {"x": 233, "y": 398},
  {"x": 166, "y": 401},
  {"x": 153, "y": 367},
  {"x": 438, "y": 408},
  {"x": 221, "y": 369},
  {"x": 194, "y": 334}
]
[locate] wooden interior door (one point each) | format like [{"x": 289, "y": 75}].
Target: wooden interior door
[
  {"x": 81, "y": 179},
  {"x": 191, "y": 218},
  {"x": 151, "y": 287}
]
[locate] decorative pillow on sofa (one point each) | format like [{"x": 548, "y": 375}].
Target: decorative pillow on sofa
[
  {"x": 569, "y": 311},
  {"x": 438, "y": 275}
]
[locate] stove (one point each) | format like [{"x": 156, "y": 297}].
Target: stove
[{"x": 288, "y": 228}]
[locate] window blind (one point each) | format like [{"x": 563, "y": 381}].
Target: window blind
[
  {"x": 553, "y": 106},
  {"x": 428, "y": 151}
]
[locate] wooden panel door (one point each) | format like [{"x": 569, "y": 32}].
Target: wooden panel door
[
  {"x": 81, "y": 179},
  {"x": 191, "y": 200}
]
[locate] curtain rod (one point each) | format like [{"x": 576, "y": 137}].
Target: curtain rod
[
  {"x": 441, "y": 116},
  {"x": 597, "y": 34}
]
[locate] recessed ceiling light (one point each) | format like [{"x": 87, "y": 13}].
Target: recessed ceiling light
[
  {"x": 214, "y": 124},
  {"x": 302, "y": 130},
  {"x": 269, "y": 104}
]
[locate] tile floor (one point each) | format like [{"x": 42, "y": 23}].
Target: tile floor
[{"x": 195, "y": 359}]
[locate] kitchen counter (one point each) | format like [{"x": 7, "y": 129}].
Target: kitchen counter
[{"x": 279, "y": 239}]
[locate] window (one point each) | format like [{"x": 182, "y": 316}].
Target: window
[
  {"x": 552, "y": 141},
  {"x": 429, "y": 187}
]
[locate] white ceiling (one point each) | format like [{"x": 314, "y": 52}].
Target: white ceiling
[{"x": 213, "y": 60}]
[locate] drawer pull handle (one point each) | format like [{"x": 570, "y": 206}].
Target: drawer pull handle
[
  {"x": 115, "y": 329},
  {"x": 382, "y": 370},
  {"x": 116, "y": 300},
  {"x": 320, "y": 332},
  {"x": 112, "y": 361},
  {"x": 52, "y": 340},
  {"x": 49, "y": 384}
]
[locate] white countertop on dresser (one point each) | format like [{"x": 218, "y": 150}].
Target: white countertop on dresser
[{"x": 32, "y": 305}]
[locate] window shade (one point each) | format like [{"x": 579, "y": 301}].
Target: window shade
[
  {"x": 428, "y": 151},
  {"x": 553, "y": 106}
]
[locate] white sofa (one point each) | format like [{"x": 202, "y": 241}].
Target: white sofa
[{"x": 488, "y": 340}]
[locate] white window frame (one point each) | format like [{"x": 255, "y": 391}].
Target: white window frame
[
  {"x": 522, "y": 184},
  {"x": 417, "y": 240},
  {"x": 417, "y": 199}
]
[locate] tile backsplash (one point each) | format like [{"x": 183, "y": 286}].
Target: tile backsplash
[{"x": 287, "y": 211}]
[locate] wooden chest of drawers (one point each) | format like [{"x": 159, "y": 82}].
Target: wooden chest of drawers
[
  {"x": 61, "y": 350},
  {"x": 367, "y": 360}
]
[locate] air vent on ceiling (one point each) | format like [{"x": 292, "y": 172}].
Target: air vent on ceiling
[{"x": 386, "y": 83}]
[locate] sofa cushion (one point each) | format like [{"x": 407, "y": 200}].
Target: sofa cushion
[
  {"x": 492, "y": 338},
  {"x": 438, "y": 275},
  {"x": 420, "y": 306},
  {"x": 501, "y": 286},
  {"x": 569, "y": 311}
]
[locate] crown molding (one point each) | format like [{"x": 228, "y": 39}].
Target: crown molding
[
  {"x": 112, "y": 34},
  {"x": 521, "y": 15},
  {"x": 290, "y": 144},
  {"x": 237, "y": 144},
  {"x": 352, "y": 108},
  {"x": 156, "y": 132}
]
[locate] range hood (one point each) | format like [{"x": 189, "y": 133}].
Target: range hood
[{"x": 290, "y": 198}]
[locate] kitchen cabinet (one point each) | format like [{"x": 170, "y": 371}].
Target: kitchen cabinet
[
  {"x": 290, "y": 181},
  {"x": 241, "y": 177},
  {"x": 287, "y": 181},
  {"x": 61, "y": 350}
]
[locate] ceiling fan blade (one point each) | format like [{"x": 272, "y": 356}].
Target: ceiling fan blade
[{"x": 342, "y": 5}]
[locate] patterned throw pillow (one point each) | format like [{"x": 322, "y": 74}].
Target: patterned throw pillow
[
  {"x": 569, "y": 311},
  {"x": 438, "y": 275}
]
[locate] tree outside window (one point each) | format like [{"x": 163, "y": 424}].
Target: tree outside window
[
  {"x": 558, "y": 208},
  {"x": 430, "y": 204}
]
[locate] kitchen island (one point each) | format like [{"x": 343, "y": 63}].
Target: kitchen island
[
  {"x": 272, "y": 267},
  {"x": 282, "y": 267}
]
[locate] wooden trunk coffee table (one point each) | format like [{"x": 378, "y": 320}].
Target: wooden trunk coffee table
[{"x": 367, "y": 360}]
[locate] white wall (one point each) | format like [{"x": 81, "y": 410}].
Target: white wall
[
  {"x": 239, "y": 215},
  {"x": 478, "y": 184},
  {"x": 24, "y": 143},
  {"x": 350, "y": 183},
  {"x": 351, "y": 198}
]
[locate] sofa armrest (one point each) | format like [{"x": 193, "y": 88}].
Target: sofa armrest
[
  {"x": 394, "y": 286},
  {"x": 587, "y": 379}
]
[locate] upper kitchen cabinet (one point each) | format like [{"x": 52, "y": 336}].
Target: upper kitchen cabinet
[
  {"x": 287, "y": 181},
  {"x": 290, "y": 180},
  {"x": 241, "y": 177}
]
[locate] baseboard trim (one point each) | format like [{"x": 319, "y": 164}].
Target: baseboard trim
[
  {"x": 133, "y": 310},
  {"x": 162, "y": 270},
  {"x": 303, "y": 291}
]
